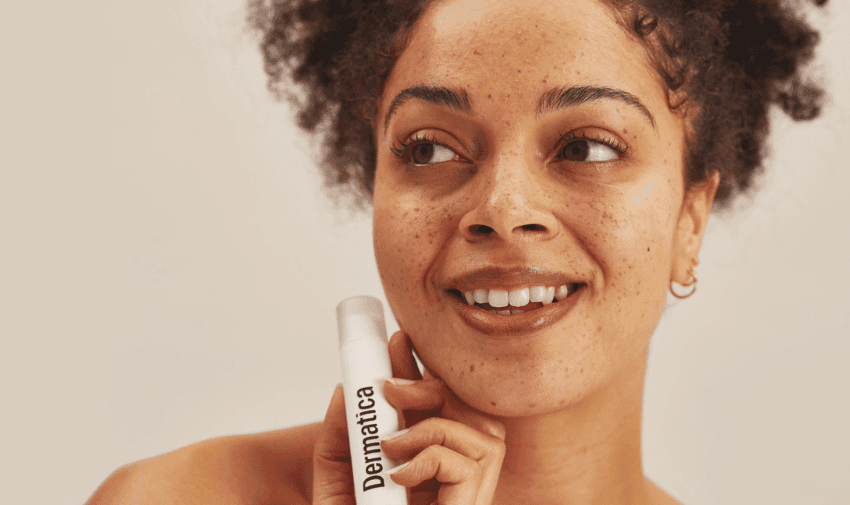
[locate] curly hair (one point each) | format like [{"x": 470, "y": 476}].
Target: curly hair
[{"x": 725, "y": 61}]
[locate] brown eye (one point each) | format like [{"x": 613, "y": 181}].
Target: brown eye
[
  {"x": 428, "y": 153},
  {"x": 588, "y": 150},
  {"x": 576, "y": 151},
  {"x": 421, "y": 154}
]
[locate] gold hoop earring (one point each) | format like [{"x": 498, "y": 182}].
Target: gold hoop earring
[{"x": 691, "y": 282}]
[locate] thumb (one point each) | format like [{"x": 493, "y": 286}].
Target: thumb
[
  {"x": 333, "y": 483},
  {"x": 401, "y": 357}
]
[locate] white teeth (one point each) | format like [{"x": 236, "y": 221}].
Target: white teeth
[
  {"x": 470, "y": 299},
  {"x": 550, "y": 295},
  {"x": 562, "y": 292},
  {"x": 519, "y": 298},
  {"x": 536, "y": 293},
  {"x": 498, "y": 298}
]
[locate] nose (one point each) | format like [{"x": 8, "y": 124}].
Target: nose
[{"x": 510, "y": 202}]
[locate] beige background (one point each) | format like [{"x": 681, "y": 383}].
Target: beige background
[{"x": 169, "y": 270}]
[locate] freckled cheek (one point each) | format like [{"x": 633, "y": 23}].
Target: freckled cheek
[
  {"x": 406, "y": 238},
  {"x": 632, "y": 249}
]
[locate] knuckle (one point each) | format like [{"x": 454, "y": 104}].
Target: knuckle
[
  {"x": 498, "y": 447},
  {"x": 433, "y": 428}
]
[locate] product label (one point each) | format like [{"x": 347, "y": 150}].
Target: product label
[
  {"x": 368, "y": 421},
  {"x": 369, "y": 416}
]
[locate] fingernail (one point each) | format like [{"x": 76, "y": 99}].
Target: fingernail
[
  {"x": 394, "y": 435},
  {"x": 401, "y": 382},
  {"x": 399, "y": 468}
]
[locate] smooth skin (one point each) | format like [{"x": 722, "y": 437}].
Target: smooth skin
[{"x": 593, "y": 191}]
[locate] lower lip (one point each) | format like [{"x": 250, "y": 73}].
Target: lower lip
[{"x": 494, "y": 324}]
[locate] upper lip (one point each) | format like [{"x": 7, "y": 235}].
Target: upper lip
[{"x": 495, "y": 277}]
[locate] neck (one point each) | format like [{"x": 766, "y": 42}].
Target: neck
[{"x": 588, "y": 453}]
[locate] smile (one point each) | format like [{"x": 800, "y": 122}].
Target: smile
[
  {"x": 518, "y": 300},
  {"x": 508, "y": 302}
]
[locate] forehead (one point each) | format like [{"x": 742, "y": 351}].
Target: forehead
[{"x": 512, "y": 51}]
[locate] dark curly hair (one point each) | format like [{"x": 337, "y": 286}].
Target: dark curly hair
[{"x": 726, "y": 61}]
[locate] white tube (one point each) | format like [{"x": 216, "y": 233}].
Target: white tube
[{"x": 365, "y": 363}]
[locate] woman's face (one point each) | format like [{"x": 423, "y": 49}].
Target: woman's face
[{"x": 524, "y": 146}]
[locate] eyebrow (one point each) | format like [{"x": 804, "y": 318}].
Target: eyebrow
[
  {"x": 551, "y": 101},
  {"x": 446, "y": 97},
  {"x": 560, "y": 98}
]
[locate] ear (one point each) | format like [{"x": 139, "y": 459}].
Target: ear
[{"x": 693, "y": 219}]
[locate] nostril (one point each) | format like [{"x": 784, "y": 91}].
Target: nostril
[
  {"x": 533, "y": 227},
  {"x": 481, "y": 229}
]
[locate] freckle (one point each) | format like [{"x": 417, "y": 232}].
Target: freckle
[
  {"x": 471, "y": 368},
  {"x": 647, "y": 249},
  {"x": 599, "y": 329},
  {"x": 562, "y": 402},
  {"x": 493, "y": 403}
]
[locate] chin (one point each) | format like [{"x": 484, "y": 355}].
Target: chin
[{"x": 517, "y": 390}]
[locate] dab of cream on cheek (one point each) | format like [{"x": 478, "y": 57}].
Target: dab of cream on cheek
[{"x": 365, "y": 364}]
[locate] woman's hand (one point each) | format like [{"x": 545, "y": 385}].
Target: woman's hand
[
  {"x": 453, "y": 453},
  {"x": 454, "y": 459}
]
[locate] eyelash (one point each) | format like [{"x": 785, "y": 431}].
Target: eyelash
[
  {"x": 402, "y": 151},
  {"x": 565, "y": 138}
]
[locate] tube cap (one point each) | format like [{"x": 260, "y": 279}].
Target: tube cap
[{"x": 360, "y": 317}]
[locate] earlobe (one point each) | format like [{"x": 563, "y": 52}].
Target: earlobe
[{"x": 693, "y": 219}]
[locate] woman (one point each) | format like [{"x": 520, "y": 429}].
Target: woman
[{"x": 541, "y": 175}]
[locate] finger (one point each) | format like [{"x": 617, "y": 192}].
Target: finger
[
  {"x": 422, "y": 395},
  {"x": 404, "y": 367},
  {"x": 452, "y": 435},
  {"x": 415, "y": 400},
  {"x": 401, "y": 356},
  {"x": 486, "y": 450},
  {"x": 333, "y": 482},
  {"x": 431, "y": 397},
  {"x": 460, "y": 477}
]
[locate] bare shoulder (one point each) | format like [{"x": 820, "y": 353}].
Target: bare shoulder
[
  {"x": 272, "y": 467},
  {"x": 283, "y": 459}
]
